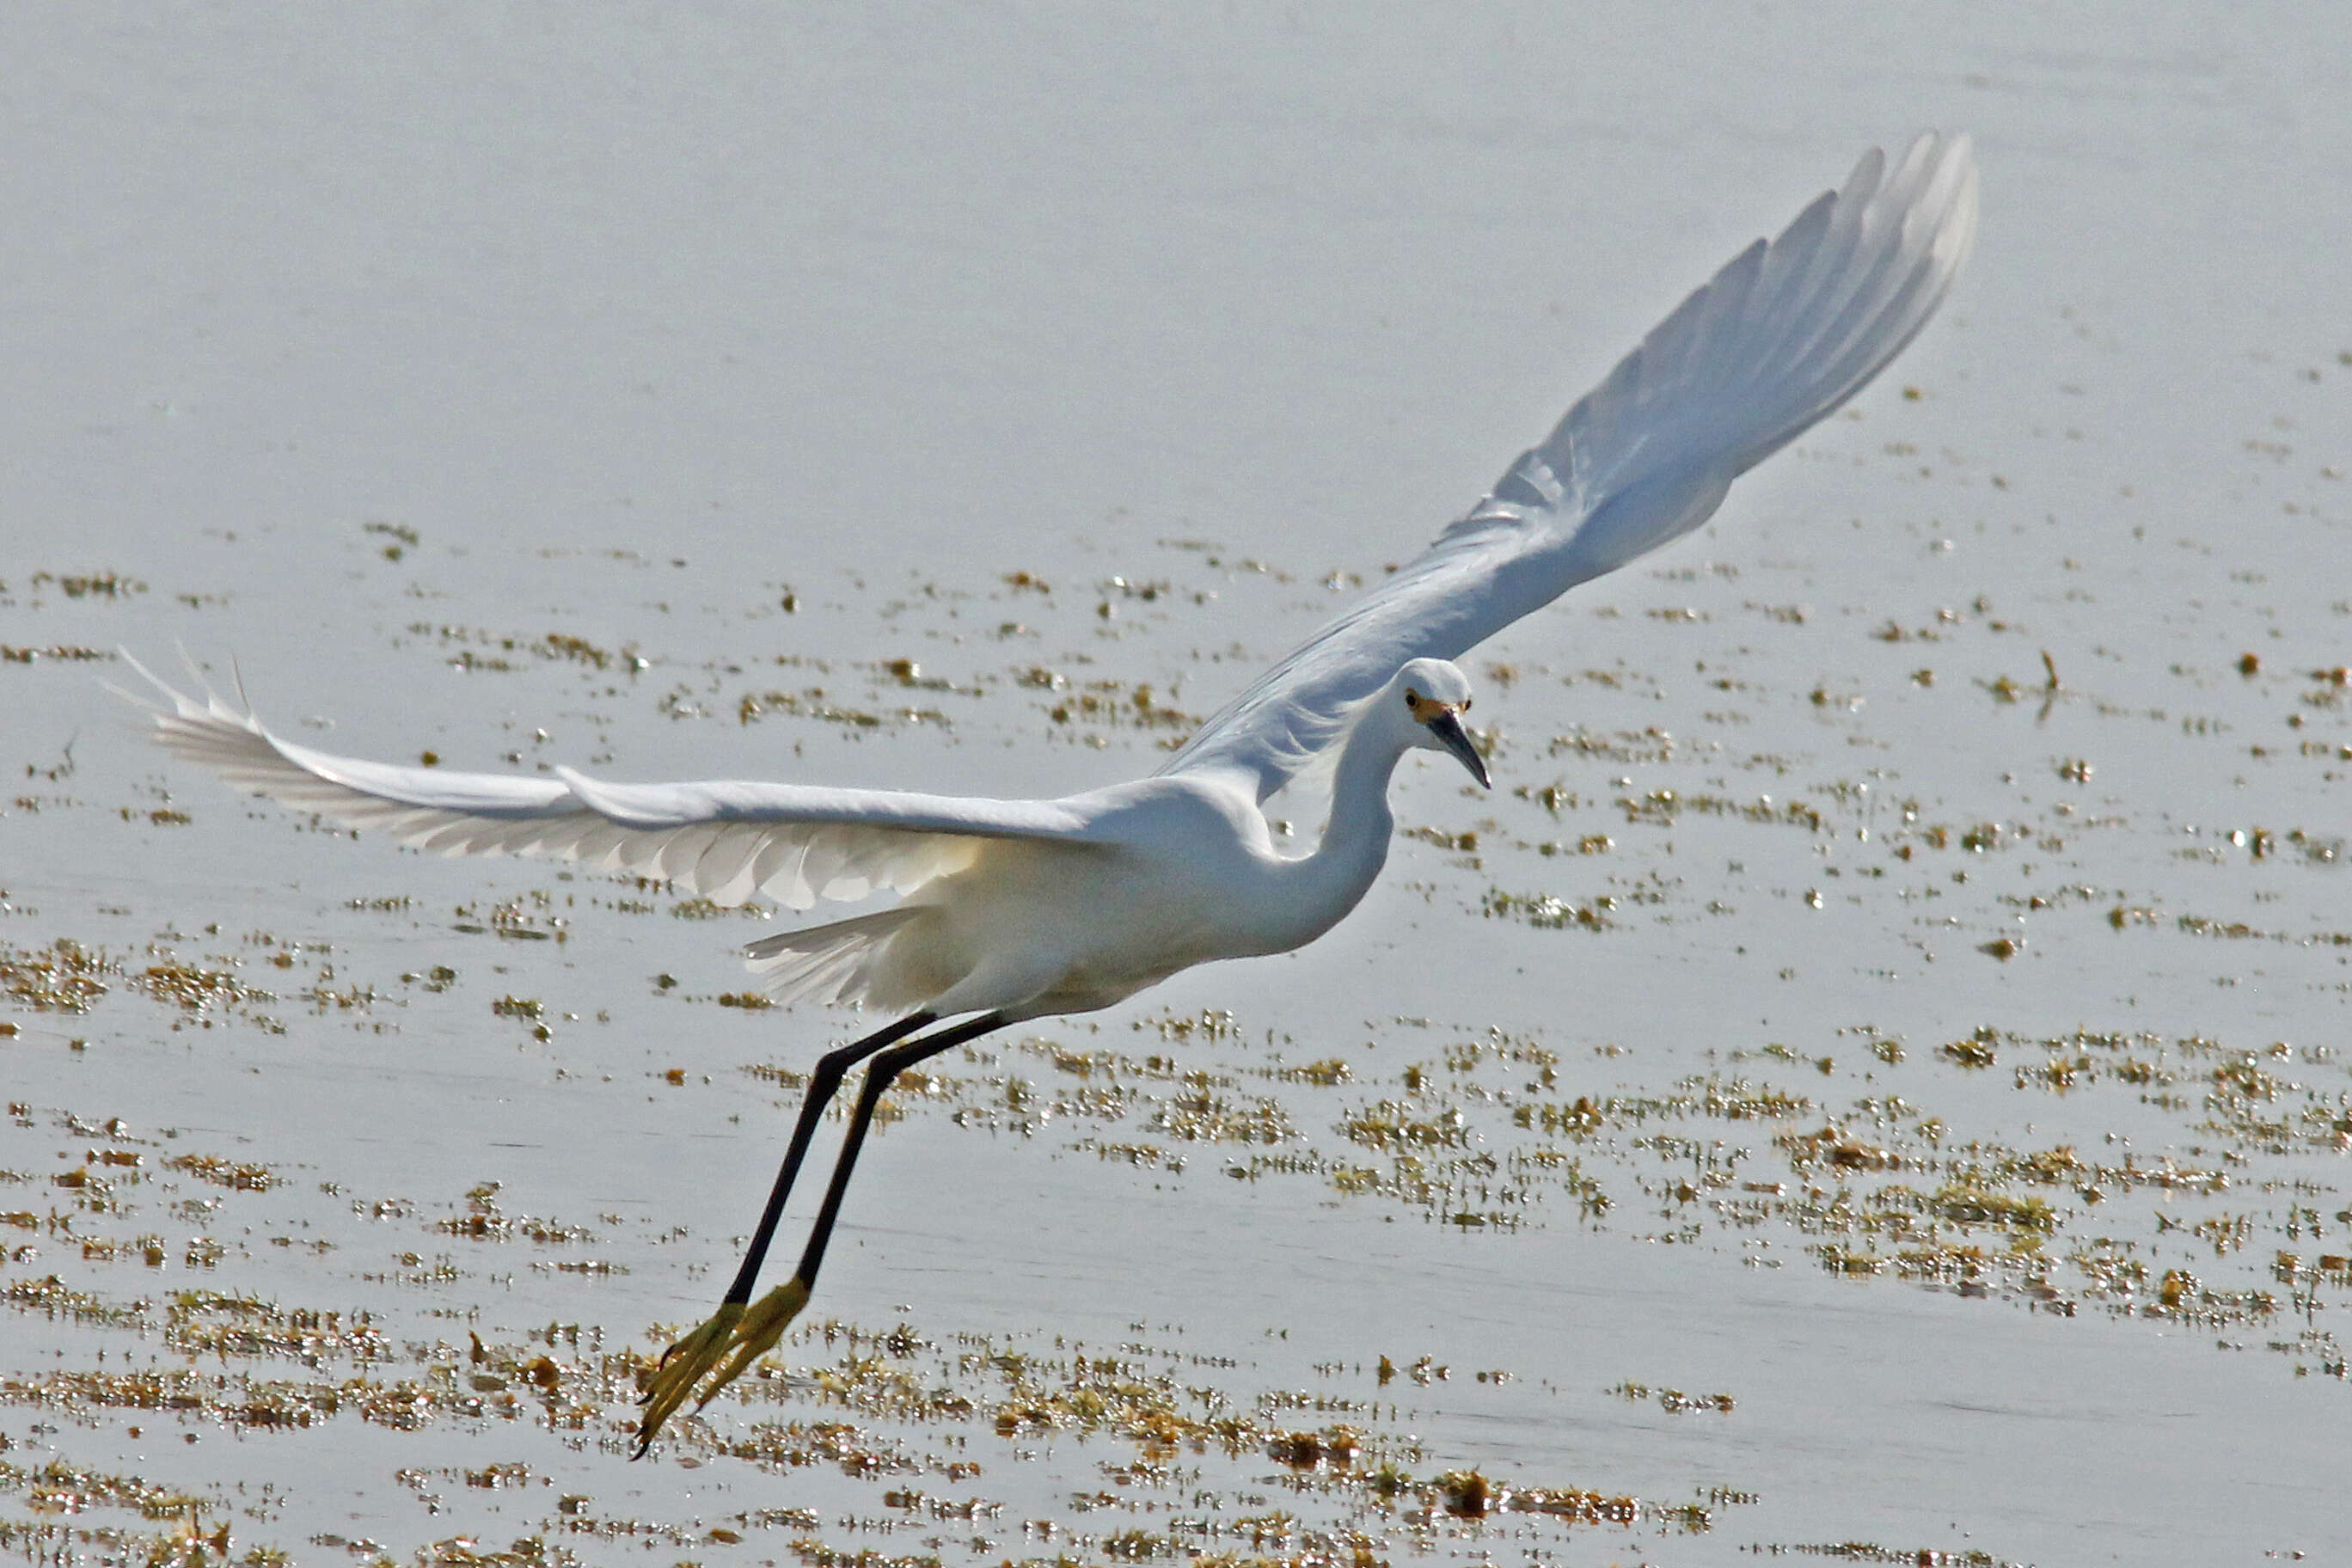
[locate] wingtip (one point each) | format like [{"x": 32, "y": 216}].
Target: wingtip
[
  {"x": 166, "y": 705},
  {"x": 1951, "y": 157},
  {"x": 1953, "y": 167},
  {"x": 144, "y": 702},
  {"x": 1869, "y": 174}
]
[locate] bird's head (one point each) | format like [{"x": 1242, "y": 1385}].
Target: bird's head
[{"x": 1432, "y": 695}]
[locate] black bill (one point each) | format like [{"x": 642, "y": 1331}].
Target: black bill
[{"x": 1448, "y": 727}]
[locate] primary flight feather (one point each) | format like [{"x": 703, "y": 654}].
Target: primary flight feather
[
  {"x": 1777, "y": 340},
  {"x": 1017, "y": 909}
]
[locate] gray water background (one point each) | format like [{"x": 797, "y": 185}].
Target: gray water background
[{"x": 416, "y": 359}]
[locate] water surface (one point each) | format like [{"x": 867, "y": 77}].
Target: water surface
[{"x": 1869, "y": 1081}]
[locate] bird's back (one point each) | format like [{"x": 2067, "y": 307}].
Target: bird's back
[{"x": 1171, "y": 872}]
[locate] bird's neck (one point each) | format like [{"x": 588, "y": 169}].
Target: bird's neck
[{"x": 1355, "y": 842}]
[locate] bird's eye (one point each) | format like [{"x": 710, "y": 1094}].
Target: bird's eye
[
  {"x": 1465, "y": 706},
  {"x": 1412, "y": 698}
]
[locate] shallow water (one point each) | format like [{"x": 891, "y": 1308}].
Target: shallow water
[{"x": 1870, "y": 1080}]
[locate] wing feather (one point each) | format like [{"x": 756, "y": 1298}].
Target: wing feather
[
  {"x": 1780, "y": 337},
  {"x": 724, "y": 840}
]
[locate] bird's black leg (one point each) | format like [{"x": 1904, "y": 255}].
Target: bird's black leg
[
  {"x": 831, "y": 1068},
  {"x": 684, "y": 1362},
  {"x": 887, "y": 1067},
  {"x": 741, "y": 1331}
]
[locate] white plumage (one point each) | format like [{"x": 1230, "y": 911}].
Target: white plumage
[
  {"x": 1781, "y": 336},
  {"x": 1013, "y": 909},
  {"x": 794, "y": 843}
]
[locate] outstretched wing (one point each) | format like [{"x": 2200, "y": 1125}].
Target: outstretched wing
[
  {"x": 723, "y": 839},
  {"x": 1777, "y": 340}
]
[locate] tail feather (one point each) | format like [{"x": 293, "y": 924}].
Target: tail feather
[{"x": 846, "y": 960}]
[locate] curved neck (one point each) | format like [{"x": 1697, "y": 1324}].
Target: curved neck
[
  {"x": 1359, "y": 790},
  {"x": 1355, "y": 842}
]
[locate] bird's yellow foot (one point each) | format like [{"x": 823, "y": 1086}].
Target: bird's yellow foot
[
  {"x": 681, "y": 1367},
  {"x": 734, "y": 1338},
  {"x": 757, "y": 1334}
]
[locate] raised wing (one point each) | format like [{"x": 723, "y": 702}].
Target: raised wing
[
  {"x": 726, "y": 840},
  {"x": 1777, "y": 340}
]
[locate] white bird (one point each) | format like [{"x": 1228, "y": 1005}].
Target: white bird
[{"x": 1013, "y": 910}]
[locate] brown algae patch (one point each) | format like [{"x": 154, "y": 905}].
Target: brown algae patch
[
  {"x": 73, "y": 977},
  {"x": 478, "y": 651},
  {"x": 240, "y": 1175},
  {"x": 71, "y": 1513},
  {"x": 1492, "y": 1132},
  {"x": 482, "y": 1219},
  {"x": 63, "y": 977},
  {"x": 1175, "y": 1429}
]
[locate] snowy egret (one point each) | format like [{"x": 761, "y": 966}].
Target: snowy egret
[{"x": 1013, "y": 910}]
